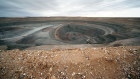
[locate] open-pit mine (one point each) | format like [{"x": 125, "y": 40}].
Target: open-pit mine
[{"x": 69, "y": 48}]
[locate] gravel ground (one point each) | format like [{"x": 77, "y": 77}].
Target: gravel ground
[{"x": 85, "y": 63}]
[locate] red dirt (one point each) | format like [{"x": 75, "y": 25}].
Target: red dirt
[{"x": 89, "y": 63}]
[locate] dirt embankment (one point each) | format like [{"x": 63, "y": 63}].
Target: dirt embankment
[{"x": 88, "y": 63}]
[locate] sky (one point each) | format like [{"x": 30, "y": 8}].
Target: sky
[{"x": 83, "y": 8}]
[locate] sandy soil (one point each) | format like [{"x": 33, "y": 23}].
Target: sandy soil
[{"x": 88, "y": 63}]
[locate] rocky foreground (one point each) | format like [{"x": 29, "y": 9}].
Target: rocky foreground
[{"x": 88, "y": 63}]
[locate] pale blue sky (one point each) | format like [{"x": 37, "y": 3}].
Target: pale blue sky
[{"x": 85, "y": 8}]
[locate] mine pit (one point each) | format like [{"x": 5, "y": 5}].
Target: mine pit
[
  {"x": 84, "y": 34},
  {"x": 69, "y": 48},
  {"x": 30, "y": 34}
]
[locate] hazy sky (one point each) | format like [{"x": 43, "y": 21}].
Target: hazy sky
[{"x": 87, "y": 8}]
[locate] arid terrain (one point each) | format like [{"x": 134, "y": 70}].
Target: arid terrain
[
  {"x": 23, "y": 33},
  {"x": 69, "y": 48},
  {"x": 88, "y": 63}
]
